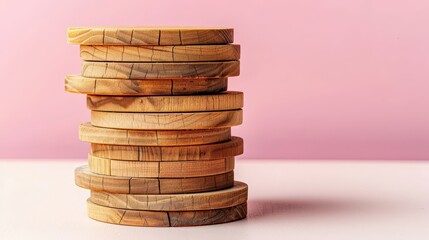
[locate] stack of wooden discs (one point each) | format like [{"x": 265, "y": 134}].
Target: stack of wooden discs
[{"x": 162, "y": 153}]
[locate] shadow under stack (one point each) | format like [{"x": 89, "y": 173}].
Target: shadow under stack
[{"x": 162, "y": 153}]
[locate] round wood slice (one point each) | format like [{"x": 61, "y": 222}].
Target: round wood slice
[
  {"x": 225, "y": 198},
  {"x": 192, "y": 103},
  {"x": 149, "y": 35},
  {"x": 132, "y": 70},
  {"x": 231, "y": 148},
  {"x": 189, "y": 53},
  {"x": 165, "y": 219},
  {"x": 176, "y": 169},
  {"x": 167, "y": 121},
  {"x": 133, "y": 185},
  {"x": 92, "y": 134},
  {"x": 79, "y": 84}
]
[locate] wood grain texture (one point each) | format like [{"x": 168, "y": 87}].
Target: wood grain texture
[
  {"x": 225, "y": 198},
  {"x": 192, "y": 103},
  {"x": 189, "y": 53},
  {"x": 167, "y": 121},
  {"x": 149, "y": 35},
  {"x": 131, "y": 185},
  {"x": 231, "y": 148},
  {"x": 133, "y": 70},
  {"x": 79, "y": 84},
  {"x": 127, "y": 217},
  {"x": 176, "y": 169},
  {"x": 111, "y": 136},
  {"x": 163, "y": 218}
]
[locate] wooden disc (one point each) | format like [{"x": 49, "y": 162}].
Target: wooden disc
[
  {"x": 92, "y": 134},
  {"x": 231, "y": 148},
  {"x": 176, "y": 169},
  {"x": 132, "y": 70},
  {"x": 149, "y": 35},
  {"x": 189, "y": 53},
  {"x": 165, "y": 219},
  {"x": 79, "y": 84},
  {"x": 224, "y": 198},
  {"x": 167, "y": 121},
  {"x": 191, "y": 103},
  {"x": 131, "y": 185}
]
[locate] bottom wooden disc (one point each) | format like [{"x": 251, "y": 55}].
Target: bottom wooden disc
[
  {"x": 133, "y": 185},
  {"x": 165, "y": 218}
]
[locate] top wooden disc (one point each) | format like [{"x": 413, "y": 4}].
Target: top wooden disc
[{"x": 149, "y": 35}]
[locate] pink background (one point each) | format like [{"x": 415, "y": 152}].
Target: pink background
[{"x": 322, "y": 79}]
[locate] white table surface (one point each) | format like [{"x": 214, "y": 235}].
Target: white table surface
[{"x": 287, "y": 200}]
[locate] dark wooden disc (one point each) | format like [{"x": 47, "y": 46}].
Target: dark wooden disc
[{"x": 146, "y": 87}]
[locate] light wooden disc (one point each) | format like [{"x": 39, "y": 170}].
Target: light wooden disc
[
  {"x": 189, "y": 53},
  {"x": 131, "y": 185},
  {"x": 167, "y": 121},
  {"x": 92, "y": 134},
  {"x": 225, "y": 198},
  {"x": 149, "y": 35},
  {"x": 192, "y": 103},
  {"x": 100, "y": 86},
  {"x": 231, "y": 148},
  {"x": 165, "y": 219},
  {"x": 132, "y": 70},
  {"x": 176, "y": 169}
]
